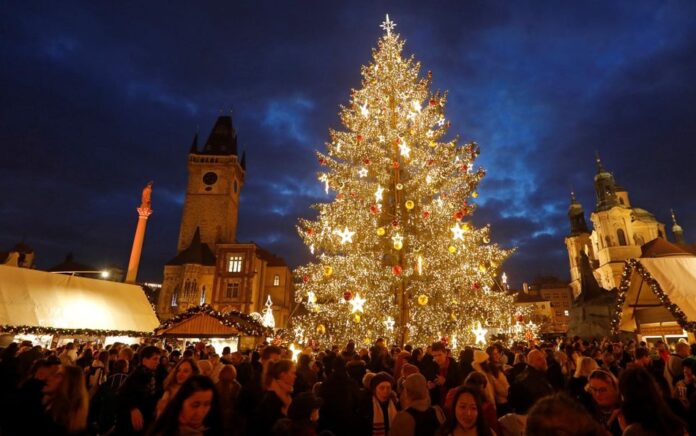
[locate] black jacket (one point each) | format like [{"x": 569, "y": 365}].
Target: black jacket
[{"x": 528, "y": 388}]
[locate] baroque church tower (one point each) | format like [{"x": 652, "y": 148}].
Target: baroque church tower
[{"x": 619, "y": 232}]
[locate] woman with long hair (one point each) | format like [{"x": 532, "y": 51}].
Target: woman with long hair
[
  {"x": 644, "y": 410},
  {"x": 66, "y": 402},
  {"x": 194, "y": 410},
  {"x": 466, "y": 415},
  {"x": 183, "y": 369},
  {"x": 576, "y": 385},
  {"x": 277, "y": 398}
]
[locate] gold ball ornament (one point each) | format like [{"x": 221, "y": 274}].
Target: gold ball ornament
[
  {"x": 356, "y": 318},
  {"x": 321, "y": 329},
  {"x": 422, "y": 299},
  {"x": 398, "y": 245},
  {"x": 381, "y": 231},
  {"x": 410, "y": 204},
  {"x": 315, "y": 309},
  {"x": 486, "y": 240},
  {"x": 474, "y": 194},
  {"x": 328, "y": 270},
  {"x": 452, "y": 249},
  {"x": 483, "y": 268},
  {"x": 432, "y": 144},
  {"x": 399, "y": 186},
  {"x": 453, "y": 316}
]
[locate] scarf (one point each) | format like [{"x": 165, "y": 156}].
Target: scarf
[{"x": 378, "y": 427}]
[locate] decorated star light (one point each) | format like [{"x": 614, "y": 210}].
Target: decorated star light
[
  {"x": 378, "y": 194},
  {"x": 362, "y": 172},
  {"x": 357, "y": 303},
  {"x": 480, "y": 333},
  {"x": 388, "y": 25},
  {"x": 295, "y": 352},
  {"x": 364, "y": 111},
  {"x": 457, "y": 232},
  {"x": 389, "y": 324},
  {"x": 345, "y": 235},
  {"x": 416, "y": 105},
  {"x": 404, "y": 149},
  {"x": 311, "y": 298},
  {"x": 504, "y": 279},
  {"x": 441, "y": 121}
]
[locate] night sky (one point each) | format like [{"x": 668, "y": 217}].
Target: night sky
[{"x": 98, "y": 98}]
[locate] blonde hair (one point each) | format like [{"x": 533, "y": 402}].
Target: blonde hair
[
  {"x": 69, "y": 404},
  {"x": 585, "y": 367}
]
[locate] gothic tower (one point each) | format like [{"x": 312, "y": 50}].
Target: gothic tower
[{"x": 215, "y": 179}]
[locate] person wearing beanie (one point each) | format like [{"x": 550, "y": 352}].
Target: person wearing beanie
[
  {"x": 406, "y": 370},
  {"x": 379, "y": 409},
  {"x": 417, "y": 416}
]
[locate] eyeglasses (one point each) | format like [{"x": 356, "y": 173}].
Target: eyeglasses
[{"x": 597, "y": 390}]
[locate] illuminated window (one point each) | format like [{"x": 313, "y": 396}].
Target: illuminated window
[
  {"x": 232, "y": 290},
  {"x": 235, "y": 263},
  {"x": 203, "y": 296},
  {"x": 174, "y": 299},
  {"x": 276, "y": 280}
]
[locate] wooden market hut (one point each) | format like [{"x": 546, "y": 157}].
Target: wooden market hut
[
  {"x": 51, "y": 306},
  {"x": 235, "y": 329},
  {"x": 657, "y": 295}
]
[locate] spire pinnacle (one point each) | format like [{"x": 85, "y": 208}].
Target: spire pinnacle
[
  {"x": 572, "y": 197},
  {"x": 600, "y": 168},
  {"x": 674, "y": 218}
]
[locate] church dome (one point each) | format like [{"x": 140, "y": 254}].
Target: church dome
[{"x": 643, "y": 215}]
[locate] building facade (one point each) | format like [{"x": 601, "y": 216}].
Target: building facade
[
  {"x": 619, "y": 231},
  {"x": 211, "y": 266}
]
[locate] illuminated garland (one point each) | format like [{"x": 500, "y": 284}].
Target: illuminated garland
[
  {"x": 249, "y": 326},
  {"x": 36, "y": 330},
  {"x": 677, "y": 313}
]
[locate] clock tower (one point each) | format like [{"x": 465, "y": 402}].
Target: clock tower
[{"x": 215, "y": 179}]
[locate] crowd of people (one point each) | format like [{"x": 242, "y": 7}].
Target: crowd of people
[{"x": 568, "y": 387}]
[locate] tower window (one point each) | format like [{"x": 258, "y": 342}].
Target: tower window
[
  {"x": 235, "y": 264},
  {"x": 232, "y": 290},
  {"x": 202, "y": 296},
  {"x": 276, "y": 280},
  {"x": 621, "y": 236},
  {"x": 174, "y": 294}
]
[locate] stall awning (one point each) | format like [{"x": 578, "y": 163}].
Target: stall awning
[
  {"x": 39, "y": 302},
  {"x": 657, "y": 290},
  {"x": 206, "y": 322}
]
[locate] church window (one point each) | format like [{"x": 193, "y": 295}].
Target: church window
[
  {"x": 276, "y": 280},
  {"x": 621, "y": 237},
  {"x": 174, "y": 294},
  {"x": 202, "y": 296},
  {"x": 232, "y": 290},
  {"x": 607, "y": 241},
  {"x": 235, "y": 263}
]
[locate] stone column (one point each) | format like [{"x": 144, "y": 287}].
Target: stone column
[{"x": 144, "y": 212}]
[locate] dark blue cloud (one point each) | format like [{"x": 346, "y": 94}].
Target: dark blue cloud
[{"x": 99, "y": 98}]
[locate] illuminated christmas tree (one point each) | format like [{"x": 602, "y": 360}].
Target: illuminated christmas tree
[{"x": 396, "y": 253}]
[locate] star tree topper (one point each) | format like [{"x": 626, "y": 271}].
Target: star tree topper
[{"x": 388, "y": 25}]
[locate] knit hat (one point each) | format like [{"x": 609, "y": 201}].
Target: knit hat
[
  {"x": 409, "y": 369},
  {"x": 302, "y": 406},
  {"x": 380, "y": 377},
  {"x": 480, "y": 356},
  {"x": 416, "y": 387}
]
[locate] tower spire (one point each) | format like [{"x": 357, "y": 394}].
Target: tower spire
[
  {"x": 677, "y": 229},
  {"x": 576, "y": 215},
  {"x": 600, "y": 168}
]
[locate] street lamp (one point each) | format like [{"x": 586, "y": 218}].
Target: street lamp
[{"x": 103, "y": 273}]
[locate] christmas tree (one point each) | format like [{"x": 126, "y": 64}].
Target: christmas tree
[{"x": 396, "y": 254}]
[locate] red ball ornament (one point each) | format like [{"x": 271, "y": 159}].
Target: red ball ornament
[
  {"x": 353, "y": 195},
  {"x": 322, "y": 161},
  {"x": 310, "y": 231},
  {"x": 476, "y": 286},
  {"x": 360, "y": 138},
  {"x": 430, "y": 162},
  {"x": 374, "y": 209},
  {"x": 519, "y": 318},
  {"x": 366, "y": 161},
  {"x": 458, "y": 215},
  {"x": 396, "y": 270},
  {"x": 395, "y": 165},
  {"x": 339, "y": 196},
  {"x": 426, "y": 215},
  {"x": 305, "y": 278},
  {"x": 433, "y": 102},
  {"x": 395, "y": 223},
  {"x": 448, "y": 125},
  {"x": 347, "y": 295}
]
